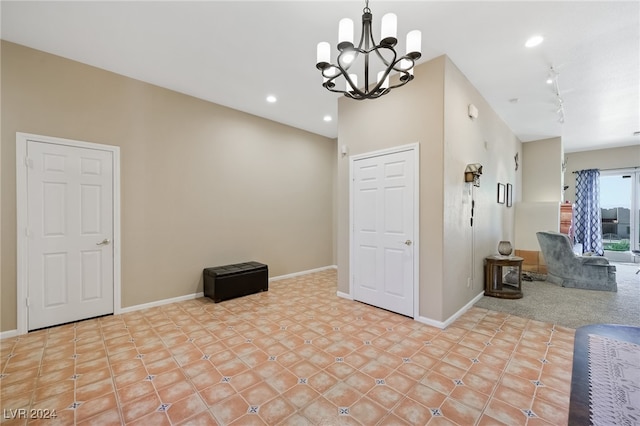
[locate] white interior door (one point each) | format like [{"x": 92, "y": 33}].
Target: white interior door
[
  {"x": 383, "y": 231},
  {"x": 70, "y": 274}
]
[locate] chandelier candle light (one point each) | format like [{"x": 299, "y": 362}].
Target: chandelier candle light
[{"x": 387, "y": 57}]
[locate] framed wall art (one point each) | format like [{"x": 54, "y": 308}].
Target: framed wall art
[{"x": 501, "y": 193}]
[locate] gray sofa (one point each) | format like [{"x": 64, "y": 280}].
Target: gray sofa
[{"x": 569, "y": 270}]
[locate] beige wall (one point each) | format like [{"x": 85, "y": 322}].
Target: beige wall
[
  {"x": 407, "y": 115},
  {"x": 542, "y": 170},
  {"x": 488, "y": 141},
  {"x": 432, "y": 110},
  {"x": 539, "y": 209},
  {"x": 202, "y": 185},
  {"x": 612, "y": 158},
  {"x": 533, "y": 217}
]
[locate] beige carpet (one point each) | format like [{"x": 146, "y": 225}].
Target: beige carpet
[{"x": 570, "y": 307}]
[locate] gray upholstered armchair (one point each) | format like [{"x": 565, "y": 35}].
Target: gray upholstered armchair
[{"x": 569, "y": 270}]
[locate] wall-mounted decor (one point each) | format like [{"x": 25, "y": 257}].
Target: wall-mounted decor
[
  {"x": 509, "y": 195},
  {"x": 472, "y": 173},
  {"x": 501, "y": 194}
]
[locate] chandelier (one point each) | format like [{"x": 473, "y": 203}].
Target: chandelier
[{"x": 379, "y": 59}]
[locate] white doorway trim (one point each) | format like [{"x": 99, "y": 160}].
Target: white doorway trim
[
  {"x": 415, "y": 148},
  {"x": 22, "y": 220}
]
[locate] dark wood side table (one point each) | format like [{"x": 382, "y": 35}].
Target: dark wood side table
[
  {"x": 503, "y": 276},
  {"x": 579, "y": 412}
]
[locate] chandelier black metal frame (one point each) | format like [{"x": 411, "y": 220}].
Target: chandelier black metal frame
[{"x": 367, "y": 46}]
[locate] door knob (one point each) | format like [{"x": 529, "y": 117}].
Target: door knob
[
  {"x": 408, "y": 242},
  {"x": 103, "y": 242}
]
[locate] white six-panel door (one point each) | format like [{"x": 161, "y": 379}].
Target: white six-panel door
[
  {"x": 383, "y": 231},
  {"x": 70, "y": 274}
]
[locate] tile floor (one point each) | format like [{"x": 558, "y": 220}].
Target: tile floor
[{"x": 295, "y": 355}]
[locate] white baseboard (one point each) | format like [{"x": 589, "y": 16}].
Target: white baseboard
[
  {"x": 13, "y": 333},
  {"x": 344, "y": 295},
  {"x": 159, "y": 303},
  {"x": 201, "y": 294},
  {"x": 8, "y": 334},
  {"x": 297, "y": 274},
  {"x": 446, "y": 323}
]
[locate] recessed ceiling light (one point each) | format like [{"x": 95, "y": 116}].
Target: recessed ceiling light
[
  {"x": 534, "y": 41},
  {"x": 271, "y": 99},
  {"x": 327, "y": 118}
]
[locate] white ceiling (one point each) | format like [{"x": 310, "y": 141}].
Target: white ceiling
[{"x": 235, "y": 53}]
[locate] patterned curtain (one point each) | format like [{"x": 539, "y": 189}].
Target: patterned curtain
[{"x": 588, "y": 227}]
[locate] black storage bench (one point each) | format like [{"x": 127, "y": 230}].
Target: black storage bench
[{"x": 231, "y": 281}]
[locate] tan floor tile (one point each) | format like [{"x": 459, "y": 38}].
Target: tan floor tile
[
  {"x": 562, "y": 384},
  {"x": 249, "y": 420},
  {"x": 168, "y": 377},
  {"x": 104, "y": 418},
  {"x": 469, "y": 397},
  {"x": 282, "y": 381},
  {"x": 92, "y": 407},
  {"x": 426, "y": 396},
  {"x": 518, "y": 383},
  {"x": 135, "y": 391},
  {"x": 19, "y": 376},
  {"x": 216, "y": 393},
  {"x": 322, "y": 381},
  {"x": 56, "y": 376},
  {"x": 438, "y": 382},
  {"x": 512, "y": 397},
  {"x": 161, "y": 366},
  {"x": 259, "y": 394},
  {"x": 412, "y": 412},
  {"x": 517, "y": 369},
  {"x": 175, "y": 391},
  {"x": 459, "y": 413},
  {"x": 376, "y": 370},
  {"x": 505, "y": 413},
  {"x": 549, "y": 412},
  {"x": 94, "y": 390},
  {"x": 300, "y": 395},
  {"x": 321, "y": 411},
  {"x": 16, "y": 365},
  {"x": 185, "y": 408},
  {"x": 441, "y": 421},
  {"x": 275, "y": 410},
  {"x": 449, "y": 370},
  {"x": 17, "y": 401},
  {"x": 58, "y": 402},
  {"x": 205, "y": 418},
  {"x": 342, "y": 395},
  {"x": 155, "y": 419},
  {"x": 83, "y": 367},
  {"x": 552, "y": 396},
  {"x": 127, "y": 378},
  {"x": 392, "y": 420},
  {"x": 230, "y": 409},
  {"x": 232, "y": 367},
  {"x": 151, "y": 356},
  {"x": 139, "y": 408},
  {"x": 245, "y": 380},
  {"x": 183, "y": 354},
  {"x": 486, "y": 420}
]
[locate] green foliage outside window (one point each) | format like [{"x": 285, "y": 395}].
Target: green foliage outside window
[{"x": 622, "y": 245}]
